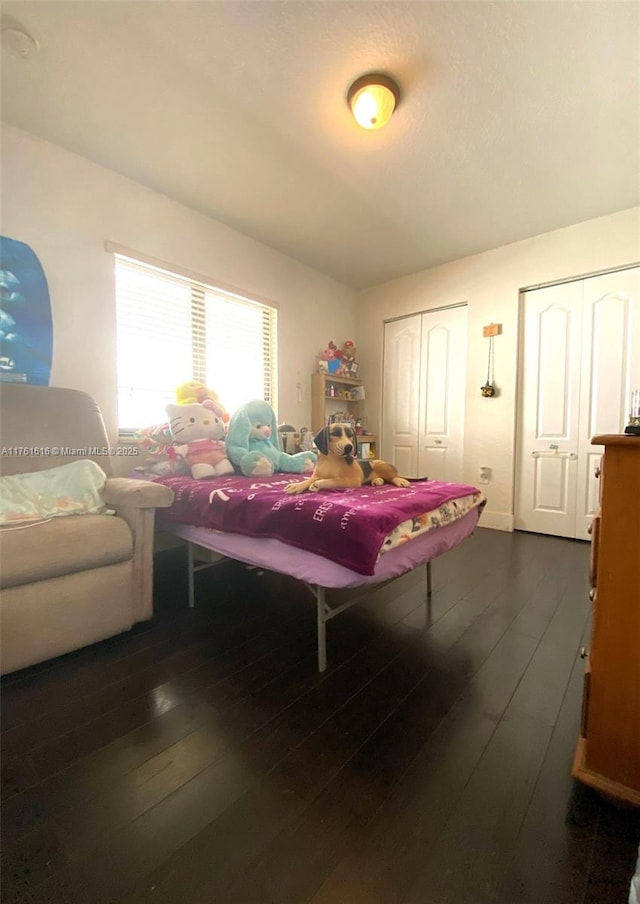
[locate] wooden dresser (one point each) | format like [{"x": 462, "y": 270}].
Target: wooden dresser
[{"x": 608, "y": 752}]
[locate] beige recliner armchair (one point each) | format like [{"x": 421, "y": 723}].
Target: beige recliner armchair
[{"x": 74, "y": 579}]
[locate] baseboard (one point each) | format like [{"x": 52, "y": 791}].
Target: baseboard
[{"x": 496, "y": 520}]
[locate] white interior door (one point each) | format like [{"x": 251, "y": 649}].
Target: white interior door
[
  {"x": 443, "y": 376},
  {"x": 610, "y": 371},
  {"x": 401, "y": 394},
  {"x": 548, "y": 454},
  {"x": 580, "y": 360},
  {"x": 424, "y": 393}
]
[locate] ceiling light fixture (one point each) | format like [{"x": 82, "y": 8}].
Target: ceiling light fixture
[{"x": 372, "y": 99}]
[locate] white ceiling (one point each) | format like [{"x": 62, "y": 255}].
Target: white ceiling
[{"x": 516, "y": 118}]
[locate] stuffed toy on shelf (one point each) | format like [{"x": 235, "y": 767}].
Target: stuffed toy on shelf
[
  {"x": 253, "y": 444},
  {"x": 330, "y": 358},
  {"x": 348, "y": 358},
  {"x": 199, "y": 438}
]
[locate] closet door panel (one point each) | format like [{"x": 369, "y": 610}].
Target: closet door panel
[
  {"x": 549, "y": 413},
  {"x": 401, "y": 394},
  {"x": 580, "y": 360},
  {"x": 442, "y": 393},
  {"x": 610, "y": 370}
]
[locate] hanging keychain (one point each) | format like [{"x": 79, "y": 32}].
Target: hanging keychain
[{"x": 489, "y": 389}]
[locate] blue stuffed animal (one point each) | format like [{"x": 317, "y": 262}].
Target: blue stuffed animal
[{"x": 253, "y": 446}]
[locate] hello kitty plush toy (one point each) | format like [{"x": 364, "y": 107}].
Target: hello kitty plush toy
[{"x": 199, "y": 436}]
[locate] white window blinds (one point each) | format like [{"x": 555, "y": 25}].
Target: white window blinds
[{"x": 171, "y": 329}]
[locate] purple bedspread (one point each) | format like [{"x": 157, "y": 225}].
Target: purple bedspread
[{"x": 346, "y": 526}]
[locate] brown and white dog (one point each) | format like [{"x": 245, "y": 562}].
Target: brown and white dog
[{"x": 338, "y": 467}]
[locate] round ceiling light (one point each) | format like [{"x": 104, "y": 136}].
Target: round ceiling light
[{"x": 372, "y": 99}]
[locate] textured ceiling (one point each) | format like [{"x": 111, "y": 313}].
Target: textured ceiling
[{"x": 516, "y": 118}]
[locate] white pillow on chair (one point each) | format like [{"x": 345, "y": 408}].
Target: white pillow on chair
[{"x": 70, "y": 489}]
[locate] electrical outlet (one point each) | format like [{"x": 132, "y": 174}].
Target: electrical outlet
[{"x": 485, "y": 474}]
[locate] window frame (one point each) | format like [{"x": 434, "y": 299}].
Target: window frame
[{"x": 199, "y": 285}]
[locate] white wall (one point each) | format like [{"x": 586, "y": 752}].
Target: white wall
[
  {"x": 490, "y": 283},
  {"x": 65, "y": 208}
]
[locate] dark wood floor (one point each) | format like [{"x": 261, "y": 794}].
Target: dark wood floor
[{"x": 201, "y": 758}]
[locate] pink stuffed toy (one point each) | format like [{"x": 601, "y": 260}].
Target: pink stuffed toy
[{"x": 199, "y": 436}]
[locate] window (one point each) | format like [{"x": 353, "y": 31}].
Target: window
[{"x": 171, "y": 329}]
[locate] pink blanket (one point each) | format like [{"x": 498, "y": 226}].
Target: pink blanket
[{"x": 346, "y": 526}]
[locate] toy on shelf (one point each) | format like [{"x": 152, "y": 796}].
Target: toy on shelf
[
  {"x": 349, "y": 362},
  {"x": 306, "y": 439},
  {"x": 329, "y": 360},
  {"x": 198, "y": 432},
  {"x": 253, "y": 446},
  {"x": 339, "y": 362}
]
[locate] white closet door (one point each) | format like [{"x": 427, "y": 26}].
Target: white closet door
[
  {"x": 442, "y": 394},
  {"x": 424, "y": 393},
  {"x": 401, "y": 394},
  {"x": 549, "y": 416},
  {"x": 610, "y": 370},
  {"x": 580, "y": 361}
]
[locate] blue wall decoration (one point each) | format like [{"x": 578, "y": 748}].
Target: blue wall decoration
[{"x": 26, "y": 329}]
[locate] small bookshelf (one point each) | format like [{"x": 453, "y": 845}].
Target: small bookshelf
[{"x": 331, "y": 395}]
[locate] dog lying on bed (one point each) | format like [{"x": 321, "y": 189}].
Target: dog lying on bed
[{"x": 337, "y": 467}]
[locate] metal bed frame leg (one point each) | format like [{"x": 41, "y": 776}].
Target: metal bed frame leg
[
  {"x": 428, "y": 597},
  {"x": 322, "y": 628},
  {"x": 325, "y": 612},
  {"x": 190, "y": 566}
]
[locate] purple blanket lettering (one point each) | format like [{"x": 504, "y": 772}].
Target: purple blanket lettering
[{"x": 346, "y": 526}]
